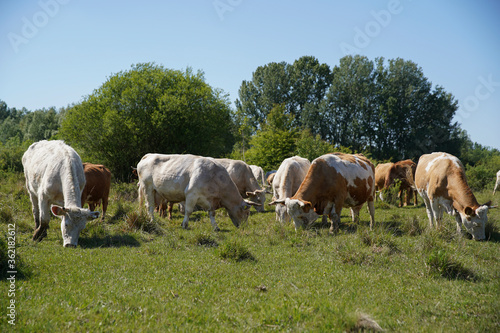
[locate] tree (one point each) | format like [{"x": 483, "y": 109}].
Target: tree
[
  {"x": 299, "y": 87},
  {"x": 149, "y": 109},
  {"x": 274, "y": 142}
]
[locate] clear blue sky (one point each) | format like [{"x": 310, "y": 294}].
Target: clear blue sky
[{"x": 55, "y": 52}]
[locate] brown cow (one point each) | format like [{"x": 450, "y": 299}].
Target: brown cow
[
  {"x": 405, "y": 172},
  {"x": 96, "y": 190},
  {"x": 381, "y": 172},
  {"x": 334, "y": 181},
  {"x": 440, "y": 181}
]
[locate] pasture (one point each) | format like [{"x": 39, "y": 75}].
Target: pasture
[{"x": 130, "y": 275}]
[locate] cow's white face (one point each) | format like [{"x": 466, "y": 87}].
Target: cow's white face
[
  {"x": 302, "y": 214},
  {"x": 73, "y": 220},
  {"x": 476, "y": 223},
  {"x": 258, "y": 196}
]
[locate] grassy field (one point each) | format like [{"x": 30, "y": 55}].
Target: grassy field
[{"x": 130, "y": 275}]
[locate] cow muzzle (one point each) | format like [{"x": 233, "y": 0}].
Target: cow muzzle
[{"x": 70, "y": 245}]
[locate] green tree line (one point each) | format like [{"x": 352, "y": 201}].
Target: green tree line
[{"x": 387, "y": 110}]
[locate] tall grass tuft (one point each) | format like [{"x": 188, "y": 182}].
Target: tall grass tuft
[
  {"x": 204, "y": 239},
  {"x": 235, "y": 251},
  {"x": 439, "y": 263},
  {"x": 141, "y": 221}
]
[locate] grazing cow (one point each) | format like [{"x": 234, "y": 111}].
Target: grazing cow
[
  {"x": 242, "y": 176},
  {"x": 258, "y": 173},
  {"x": 440, "y": 181},
  {"x": 381, "y": 172},
  {"x": 334, "y": 181},
  {"x": 405, "y": 172},
  {"x": 498, "y": 182},
  {"x": 96, "y": 190},
  {"x": 270, "y": 177},
  {"x": 193, "y": 179},
  {"x": 287, "y": 180},
  {"x": 54, "y": 175}
]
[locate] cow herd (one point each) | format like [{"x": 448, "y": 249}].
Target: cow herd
[{"x": 57, "y": 181}]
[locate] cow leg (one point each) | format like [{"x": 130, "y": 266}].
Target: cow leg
[
  {"x": 428, "y": 208},
  {"x": 41, "y": 230},
  {"x": 35, "y": 209},
  {"x": 104, "y": 207},
  {"x": 458, "y": 219},
  {"x": 438, "y": 212},
  {"x": 170, "y": 208},
  {"x": 355, "y": 214},
  {"x": 211, "y": 214},
  {"x": 400, "y": 196},
  {"x": 415, "y": 201},
  {"x": 150, "y": 201},
  {"x": 335, "y": 218},
  {"x": 189, "y": 207},
  {"x": 371, "y": 210}
]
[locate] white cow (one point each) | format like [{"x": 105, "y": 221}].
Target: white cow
[
  {"x": 243, "y": 177},
  {"x": 498, "y": 182},
  {"x": 286, "y": 182},
  {"x": 440, "y": 181},
  {"x": 199, "y": 181},
  {"x": 258, "y": 173},
  {"x": 54, "y": 175}
]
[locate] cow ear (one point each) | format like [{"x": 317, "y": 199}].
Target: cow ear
[
  {"x": 307, "y": 206},
  {"x": 469, "y": 211},
  {"x": 57, "y": 210}
]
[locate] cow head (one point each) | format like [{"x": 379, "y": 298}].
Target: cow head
[
  {"x": 302, "y": 212},
  {"x": 475, "y": 220},
  {"x": 239, "y": 214},
  {"x": 258, "y": 196},
  {"x": 73, "y": 221}
]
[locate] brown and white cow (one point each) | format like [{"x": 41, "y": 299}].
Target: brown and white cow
[
  {"x": 55, "y": 181},
  {"x": 96, "y": 190},
  {"x": 381, "y": 171},
  {"x": 286, "y": 182},
  {"x": 441, "y": 182},
  {"x": 334, "y": 181},
  {"x": 497, "y": 182},
  {"x": 404, "y": 171},
  {"x": 243, "y": 177},
  {"x": 196, "y": 180}
]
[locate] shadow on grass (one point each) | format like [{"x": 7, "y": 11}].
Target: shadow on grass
[
  {"x": 108, "y": 241},
  {"x": 18, "y": 270}
]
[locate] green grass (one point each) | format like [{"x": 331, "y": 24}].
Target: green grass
[{"x": 128, "y": 274}]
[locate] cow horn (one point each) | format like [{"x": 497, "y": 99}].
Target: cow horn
[
  {"x": 251, "y": 203},
  {"x": 277, "y": 201}
]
